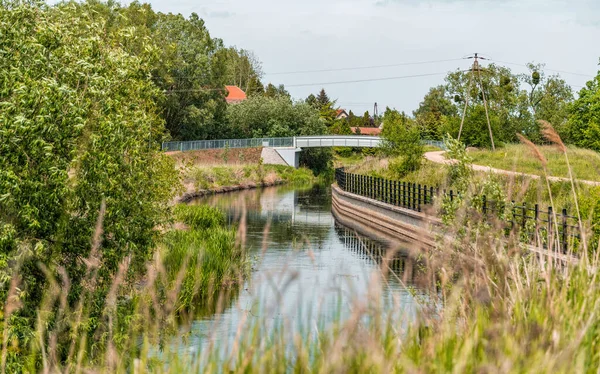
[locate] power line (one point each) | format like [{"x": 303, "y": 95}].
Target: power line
[
  {"x": 545, "y": 68},
  {"x": 363, "y": 67},
  {"x": 323, "y": 83},
  {"x": 364, "y": 80}
]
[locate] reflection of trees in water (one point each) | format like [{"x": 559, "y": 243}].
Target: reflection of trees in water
[
  {"x": 282, "y": 233},
  {"x": 315, "y": 199},
  {"x": 221, "y": 301},
  {"x": 400, "y": 264},
  {"x": 294, "y": 215}
]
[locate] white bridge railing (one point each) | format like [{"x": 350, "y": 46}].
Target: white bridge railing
[{"x": 318, "y": 141}]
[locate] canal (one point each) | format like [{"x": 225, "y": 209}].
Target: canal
[{"x": 307, "y": 270}]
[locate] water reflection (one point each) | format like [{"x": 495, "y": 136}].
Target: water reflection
[{"x": 306, "y": 268}]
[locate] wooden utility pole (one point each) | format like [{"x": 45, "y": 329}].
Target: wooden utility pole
[{"x": 476, "y": 70}]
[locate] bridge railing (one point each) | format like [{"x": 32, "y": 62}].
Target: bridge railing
[
  {"x": 529, "y": 222},
  {"x": 196, "y": 145},
  {"x": 436, "y": 143},
  {"x": 299, "y": 141}
]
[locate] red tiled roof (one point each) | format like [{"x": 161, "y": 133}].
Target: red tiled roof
[
  {"x": 235, "y": 94},
  {"x": 339, "y": 111},
  {"x": 367, "y": 130}
]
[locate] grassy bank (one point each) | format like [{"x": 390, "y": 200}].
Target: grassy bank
[
  {"x": 585, "y": 164},
  {"x": 519, "y": 189},
  {"x": 207, "y": 178}
]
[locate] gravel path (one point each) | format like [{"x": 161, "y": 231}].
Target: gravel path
[{"x": 438, "y": 157}]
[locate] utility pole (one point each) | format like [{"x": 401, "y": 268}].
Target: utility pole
[{"x": 476, "y": 70}]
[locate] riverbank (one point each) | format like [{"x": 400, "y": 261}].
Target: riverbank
[{"x": 200, "y": 180}]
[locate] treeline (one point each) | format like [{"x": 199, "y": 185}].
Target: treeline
[
  {"x": 185, "y": 66},
  {"x": 515, "y": 104}
]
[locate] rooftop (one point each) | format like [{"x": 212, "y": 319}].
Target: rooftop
[{"x": 235, "y": 94}]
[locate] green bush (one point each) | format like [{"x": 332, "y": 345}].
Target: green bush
[{"x": 80, "y": 131}]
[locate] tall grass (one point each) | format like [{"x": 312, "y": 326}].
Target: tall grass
[
  {"x": 203, "y": 260},
  {"x": 505, "y": 309}
]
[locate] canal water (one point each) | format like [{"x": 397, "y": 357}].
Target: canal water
[{"x": 307, "y": 269}]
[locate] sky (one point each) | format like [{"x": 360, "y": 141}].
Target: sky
[{"x": 292, "y": 36}]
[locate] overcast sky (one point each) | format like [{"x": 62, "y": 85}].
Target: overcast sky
[{"x": 300, "y": 35}]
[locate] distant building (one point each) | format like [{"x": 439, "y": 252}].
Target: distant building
[
  {"x": 374, "y": 131},
  {"x": 234, "y": 95},
  {"x": 341, "y": 114}
]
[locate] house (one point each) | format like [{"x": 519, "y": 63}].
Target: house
[
  {"x": 374, "y": 131},
  {"x": 234, "y": 95},
  {"x": 341, "y": 114}
]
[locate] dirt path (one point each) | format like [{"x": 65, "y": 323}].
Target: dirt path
[{"x": 439, "y": 158}]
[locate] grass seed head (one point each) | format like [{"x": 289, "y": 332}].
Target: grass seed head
[
  {"x": 534, "y": 150},
  {"x": 551, "y": 135}
]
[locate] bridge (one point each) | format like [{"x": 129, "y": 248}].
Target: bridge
[{"x": 283, "y": 150}]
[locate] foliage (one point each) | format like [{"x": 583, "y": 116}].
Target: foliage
[
  {"x": 402, "y": 137},
  {"x": 207, "y": 254},
  {"x": 215, "y": 177},
  {"x": 190, "y": 70},
  {"x": 583, "y": 127},
  {"x": 549, "y": 97},
  {"x": 515, "y": 103},
  {"x": 277, "y": 92},
  {"x": 243, "y": 69},
  {"x": 261, "y": 116},
  {"x": 433, "y": 113},
  {"x": 322, "y": 99},
  {"x": 280, "y": 117},
  {"x": 199, "y": 217},
  {"x": 80, "y": 128}
]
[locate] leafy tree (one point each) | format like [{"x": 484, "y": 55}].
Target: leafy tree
[
  {"x": 193, "y": 76},
  {"x": 185, "y": 62},
  {"x": 507, "y": 106},
  {"x": 433, "y": 113},
  {"x": 341, "y": 127},
  {"x": 402, "y": 138},
  {"x": 243, "y": 69},
  {"x": 311, "y": 100},
  {"x": 273, "y": 117},
  {"x": 80, "y": 126},
  {"x": 549, "y": 97},
  {"x": 262, "y": 116},
  {"x": 583, "y": 127},
  {"x": 355, "y": 121},
  {"x": 275, "y": 92}
]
